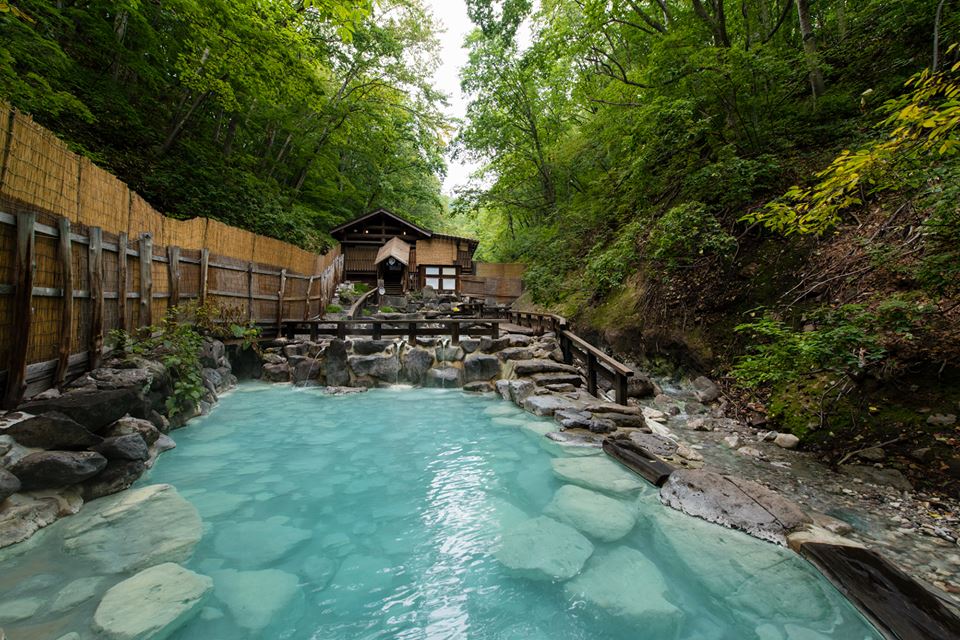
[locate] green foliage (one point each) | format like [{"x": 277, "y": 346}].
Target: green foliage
[
  {"x": 609, "y": 264},
  {"x": 360, "y": 288},
  {"x": 688, "y": 233},
  {"x": 177, "y": 346},
  {"x": 221, "y": 322},
  {"x": 387, "y": 309},
  {"x": 939, "y": 269},
  {"x": 334, "y": 308}
]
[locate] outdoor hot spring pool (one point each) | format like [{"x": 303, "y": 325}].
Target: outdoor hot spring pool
[{"x": 417, "y": 514}]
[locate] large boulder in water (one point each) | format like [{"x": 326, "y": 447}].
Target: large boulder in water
[
  {"x": 416, "y": 363},
  {"x": 54, "y": 469},
  {"x": 95, "y": 410},
  {"x": 335, "y": 364},
  {"x": 625, "y": 584},
  {"x": 254, "y": 598},
  {"x": 592, "y": 513},
  {"x": 52, "y": 430},
  {"x": 126, "y": 447},
  {"x": 152, "y": 604},
  {"x": 733, "y": 502},
  {"x": 444, "y": 377},
  {"x": 382, "y": 367},
  {"x": 134, "y": 529},
  {"x": 480, "y": 366},
  {"x": 115, "y": 477},
  {"x": 598, "y": 473},
  {"x": 258, "y": 544},
  {"x": 544, "y": 549},
  {"x": 127, "y": 425}
]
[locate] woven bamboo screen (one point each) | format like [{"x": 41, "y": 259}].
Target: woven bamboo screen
[{"x": 43, "y": 182}]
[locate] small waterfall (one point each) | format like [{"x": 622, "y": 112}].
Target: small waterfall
[
  {"x": 443, "y": 346},
  {"x": 399, "y": 344}
]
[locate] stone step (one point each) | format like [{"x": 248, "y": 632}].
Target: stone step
[{"x": 545, "y": 379}]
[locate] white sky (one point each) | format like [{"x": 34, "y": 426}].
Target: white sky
[{"x": 452, "y": 18}]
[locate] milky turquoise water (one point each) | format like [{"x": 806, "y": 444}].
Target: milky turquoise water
[{"x": 378, "y": 515}]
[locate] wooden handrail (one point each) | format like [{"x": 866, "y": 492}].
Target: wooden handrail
[{"x": 614, "y": 365}]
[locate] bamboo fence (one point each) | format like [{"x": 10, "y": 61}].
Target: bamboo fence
[{"x": 81, "y": 254}]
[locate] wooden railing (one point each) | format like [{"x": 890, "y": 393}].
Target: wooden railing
[
  {"x": 573, "y": 346},
  {"x": 379, "y": 329}
]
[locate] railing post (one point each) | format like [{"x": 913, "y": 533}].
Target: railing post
[
  {"x": 377, "y": 330},
  {"x": 24, "y": 267},
  {"x": 123, "y": 325},
  {"x": 454, "y": 332},
  {"x": 173, "y": 273},
  {"x": 566, "y": 348},
  {"x": 591, "y": 374},
  {"x": 249, "y": 291},
  {"x": 95, "y": 263},
  {"x": 412, "y": 333},
  {"x": 280, "y": 293},
  {"x": 313, "y": 332},
  {"x": 341, "y": 329},
  {"x": 65, "y": 253},
  {"x": 621, "y": 388},
  {"x": 146, "y": 279},
  {"x": 494, "y": 330},
  {"x": 306, "y": 302},
  {"x": 204, "y": 270}
]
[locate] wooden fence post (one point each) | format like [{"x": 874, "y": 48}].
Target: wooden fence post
[
  {"x": 22, "y": 310},
  {"x": 173, "y": 272},
  {"x": 591, "y": 374},
  {"x": 95, "y": 263},
  {"x": 306, "y": 305},
  {"x": 377, "y": 330},
  {"x": 454, "y": 332},
  {"x": 204, "y": 270},
  {"x": 146, "y": 279},
  {"x": 621, "y": 388},
  {"x": 282, "y": 290},
  {"x": 65, "y": 253},
  {"x": 249, "y": 291},
  {"x": 122, "y": 281}
]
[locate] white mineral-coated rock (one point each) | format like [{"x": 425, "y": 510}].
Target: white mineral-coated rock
[
  {"x": 76, "y": 592},
  {"x": 258, "y": 544},
  {"x": 501, "y": 409},
  {"x": 152, "y": 604},
  {"x": 626, "y": 584},
  {"x": 537, "y": 430},
  {"x": 786, "y": 440},
  {"x": 134, "y": 529},
  {"x": 593, "y": 513},
  {"x": 255, "y": 597},
  {"x": 597, "y": 472},
  {"x": 20, "y": 609},
  {"x": 544, "y": 549}
]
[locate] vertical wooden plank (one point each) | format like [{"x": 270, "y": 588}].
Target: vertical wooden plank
[
  {"x": 96, "y": 296},
  {"x": 566, "y": 348},
  {"x": 621, "y": 388},
  {"x": 591, "y": 374},
  {"x": 280, "y": 294},
  {"x": 495, "y": 330},
  {"x": 146, "y": 279},
  {"x": 24, "y": 268},
  {"x": 65, "y": 254},
  {"x": 204, "y": 271},
  {"x": 173, "y": 272},
  {"x": 377, "y": 330},
  {"x": 454, "y": 333},
  {"x": 412, "y": 333},
  {"x": 249, "y": 291},
  {"x": 122, "y": 281},
  {"x": 341, "y": 330},
  {"x": 306, "y": 304}
]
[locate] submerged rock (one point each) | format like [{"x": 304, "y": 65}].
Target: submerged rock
[
  {"x": 733, "y": 502},
  {"x": 152, "y": 604},
  {"x": 52, "y": 430},
  {"x": 18, "y": 610},
  {"x": 599, "y": 473},
  {"x": 258, "y": 544},
  {"x": 53, "y": 469},
  {"x": 76, "y": 592},
  {"x": 626, "y": 584},
  {"x": 544, "y": 549},
  {"x": 255, "y": 597},
  {"x": 592, "y": 513},
  {"x": 115, "y": 477},
  {"x": 134, "y": 529}
]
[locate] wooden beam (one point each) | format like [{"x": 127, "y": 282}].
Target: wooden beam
[
  {"x": 146, "y": 279},
  {"x": 204, "y": 272},
  {"x": 123, "y": 325},
  {"x": 249, "y": 291},
  {"x": 306, "y": 304},
  {"x": 23, "y": 270},
  {"x": 591, "y": 373},
  {"x": 280, "y": 292},
  {"x": 65, "y": 255},
  {"x": 173, "y": 273},
  {"x": 95, "y": 263}
]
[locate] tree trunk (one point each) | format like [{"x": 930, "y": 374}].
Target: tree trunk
[
  {"x": 177, "y": 127},
  {"x": 230, "y": 136},
  {"x": 810, "y": 49}
]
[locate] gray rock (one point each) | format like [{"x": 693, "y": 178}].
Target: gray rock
[
  {"x": 52, "y": 430},
  {"x": 592, "y": 513},
  {"x": 942, "y": 419},
  {"x": 212, "y": 380},
  {"x": 469, "y": 345},
  {"x": 491, "y": 345},
  {"x": 308, "y": 369},
  {"x": 478, "y": 387},
  {"x": 547, "y": 405},
  {"x": 12, "y": 611},
  {"x": 626, "y": 584},
  {"x": 520, "y": 368},
  {"x": 879, "y": 477},
  {"x": 706, "y": 389},
  {"x": 479, "y": 366},
  {"x": 544, "y": 549},
  {"x": 126, "y": 447},
  {"x": 503, "y": 388},
  {"x": 76, "y": 592},
  {"x": 445, "y": 377},
  {"x": 598, "y": 473},
  {"x": 449, "y": 354},
  {"x": 54, "y": 469},
  {"x": 380, "y": 367},
  {"x": 127, "y": 425},
  {"x": 548, "y": 379},
  {"x": 134, "y": 529},
  {"x": 371, "y": 347},
  {"x": 278, "y": 372},
  {"x": 652, "y": 443},
  {"x": 335, "y": 364},
  {"x": 212, "y": 353},
  {"x": 256, "y": 544},
  {"x": 872, "y": 454},
  {"x": 571, "y": 439},
  {"x": 622, "y": 420},
  {"x": 786, "y": 440},
  {"x": 152, "y": 604},
  {"x": 641, "y": 386},
  {"x": 9, "y": 484},
  {"x": 297, "y": 349},
  {"x": 516, "y": 353},
  {"x": 273, "y": 358},
  {"x": 94, "y": 410},
  {"x": 733, "y": 502},
  {"x": 115, "y": 477},
  {"x": 416, "y": 363}
]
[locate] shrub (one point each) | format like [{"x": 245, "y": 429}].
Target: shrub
[
  {"x": 686, "y": 234},
  {"x": 334, "y": 308},
  {"x": 609, "y": 264},
  {"x": 387, "y": 309}
]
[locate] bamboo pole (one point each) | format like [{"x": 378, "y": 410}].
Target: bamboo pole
[
  {"x": 122, "y": 281},
  {"x": 24, "y": 267},
  {"x": 96, "y": 296}
]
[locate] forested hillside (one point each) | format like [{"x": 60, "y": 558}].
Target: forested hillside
[
  {"x": 764, "y": 189},
  {"x": 282, "y": 117}
]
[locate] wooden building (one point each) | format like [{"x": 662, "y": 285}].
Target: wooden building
[{"x": 383, "y": 246}]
